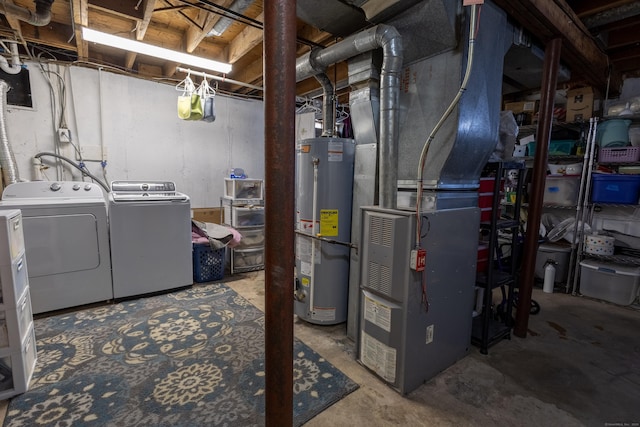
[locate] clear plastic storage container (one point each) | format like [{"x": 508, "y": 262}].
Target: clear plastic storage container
[{"x": 248, "y": 189}]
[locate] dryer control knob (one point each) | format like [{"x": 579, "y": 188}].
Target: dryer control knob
[
  {"x": 55, "y": 186},
  {"x": 76, "y": 187},
  {"x": 87, "y": 187}
]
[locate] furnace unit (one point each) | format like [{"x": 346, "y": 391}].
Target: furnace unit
[{"x": 412, "y": 327}]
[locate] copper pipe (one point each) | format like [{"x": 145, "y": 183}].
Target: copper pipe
[
  {"x": 543, "y": 133},
  {"x": 279, "y": 104}
]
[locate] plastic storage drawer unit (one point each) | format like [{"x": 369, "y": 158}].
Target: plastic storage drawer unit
[
  {"x": 249, "y": 189},
  {"x": 561, "y": 190},
  {"x": 615, "y": 188},
  {"x": 610, "y": 282}
]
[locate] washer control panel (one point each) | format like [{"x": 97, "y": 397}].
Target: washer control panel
[{"x": 143, "y": 186}]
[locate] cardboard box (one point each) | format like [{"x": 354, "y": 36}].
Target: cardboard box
[
  {"x": 580, "y": 104},
  {"x": 522, "y": 107},
  {"x": 207, "y": 214}
]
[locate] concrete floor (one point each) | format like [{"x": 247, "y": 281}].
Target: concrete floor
[{"x": 579, "y": 365}]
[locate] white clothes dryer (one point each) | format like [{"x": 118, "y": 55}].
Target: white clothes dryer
[{"x": 66, "y": 238}]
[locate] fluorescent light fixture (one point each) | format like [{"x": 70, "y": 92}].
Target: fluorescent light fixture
[{"x": 159, "y": 52}]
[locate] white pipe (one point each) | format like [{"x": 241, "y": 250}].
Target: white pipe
[
  {"x": 15, "y": 66},
  {"x": 218, "y": 78},
  {"x": 313, "y": 231},
  {"x": 103, "y": 157}
]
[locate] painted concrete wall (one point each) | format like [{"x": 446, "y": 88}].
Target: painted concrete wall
[{"x": 137, "y": 123}]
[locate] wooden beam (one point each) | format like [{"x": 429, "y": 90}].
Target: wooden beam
[
  {"x": 626, "y": 53},
  {"x": 547, "y": 20},
  {"x": 55, "y": 34},
  {"x": 625, "y": 37},
  {"x": 591, "y": 7},
  {"x": 129, "y": 59},
  {"x": 169, "y": 68},
  {"x": 81, "y": 19},
  {"x": 15, "y": 25},
  {"x": 141, "y": 29},
  {"x": 249, "y": 38},
  {"x": 126, "y": 8},
  {"x": 206, "y": 20}
]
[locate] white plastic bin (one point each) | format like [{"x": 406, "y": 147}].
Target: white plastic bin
[
  {"x": 561, "y": 190},
  {"x": 557, "y": 253},
  {"x": 615, "y": 283}
]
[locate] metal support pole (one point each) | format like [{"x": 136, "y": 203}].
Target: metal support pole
[
  {"x": 279, "y": 105},
  {"x": 543, "y": 133}
]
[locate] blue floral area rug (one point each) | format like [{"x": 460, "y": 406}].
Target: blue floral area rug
[{"x": 189, "y": 358}]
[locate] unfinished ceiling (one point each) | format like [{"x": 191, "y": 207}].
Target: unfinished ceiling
[{"x": 599, "y": 36}]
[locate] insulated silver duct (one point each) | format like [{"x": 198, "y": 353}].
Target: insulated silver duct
[
  {"x": 39, "y": 18},
  {"x": 328, "y": 116},
  {"x": 387, "y": 38},
  {"x": 223, "y": 23},
  {"x": 7, "y": 159}
]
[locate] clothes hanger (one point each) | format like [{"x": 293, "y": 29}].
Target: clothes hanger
[{"x": 186, "y": 86}]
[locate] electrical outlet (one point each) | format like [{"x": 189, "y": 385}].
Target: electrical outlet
[
  {"x": 92, "y": 152},
  {"x": 64, "y": 135}
]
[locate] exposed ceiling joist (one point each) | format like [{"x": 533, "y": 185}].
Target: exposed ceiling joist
[
  {"x": 546, "y": 20},
  {"x": 80, "y": 19},
  {"x": 125, "y": 8},
  {"x": 612, "y": 15},
  {"x": 147, "y": 12},
  {"x": 249, "y": 38}
]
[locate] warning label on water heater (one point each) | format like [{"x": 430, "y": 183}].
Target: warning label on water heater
[
  {"x": 335, "y": 151},
  {"x": 329, "y": 222}
]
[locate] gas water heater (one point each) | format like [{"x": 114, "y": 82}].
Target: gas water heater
[{"x": 324, "y": 177}]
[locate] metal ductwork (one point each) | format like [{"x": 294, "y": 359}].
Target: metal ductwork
[
  {"x": 328, "y": 115},
  {"x": 387, "y": 38},
  {"x": 378, "y": 11},
  {"x": 7, "y": 159},
  {"x": 223, "y": 23},
  {"x": 333, "y": 16},
  {"x": 467, "y": 138},
  {"x": 39, "y": 18}
]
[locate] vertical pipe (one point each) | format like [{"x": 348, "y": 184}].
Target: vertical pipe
[
  {"x": 543, "y": 133},
  {"x": 279, "y": 103},
  {"x": 328, "y": 104},
  {"x": 314, "y": 217}
]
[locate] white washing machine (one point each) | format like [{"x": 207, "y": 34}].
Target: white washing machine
[
  {"x": 66, "y": 238},
  {"x": 150, "y": 230}
]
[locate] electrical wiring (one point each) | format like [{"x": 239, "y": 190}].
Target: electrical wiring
[{"x": 474, "y": 26}]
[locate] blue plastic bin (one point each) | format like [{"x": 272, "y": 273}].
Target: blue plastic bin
[
  {"x": 615, "y": 188},
  {"x": 208, "y": 263}
]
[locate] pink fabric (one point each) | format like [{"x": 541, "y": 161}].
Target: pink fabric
[{"x": 236, "y": 238}]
